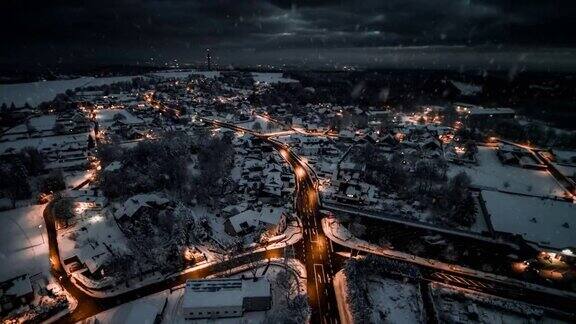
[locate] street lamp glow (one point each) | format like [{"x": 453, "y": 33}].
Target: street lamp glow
[{"x": 299, "y": 172}]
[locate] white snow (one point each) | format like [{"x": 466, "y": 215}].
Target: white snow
[
  {"x": 267, "y": 77},
  {"x": 267, "y": 126},
  {"x": 37, "y": 92},
  {"x": 45, "y": 144},
  {"x": 23, "y": 242},
  {"x": 462, "y": 306},
  {"x": 179, "y": 74},
  {"x": 268, "y": 215},
  {"x": 75, "y": 178},
  {"x": 100, "y": 228},
  {"x": 394, "y": 301},
  {"x": 492, "y": 174},
  {"x": 140, "y": 311},
  {"x": 467, "y": 89},
  {"x": 40, "y": 123},
  {"x": 223, "y": 292},
  {"x": 105, "y": 117},
  {"x": 175, "y": 297},
  {"x": 538, "y": 220}
]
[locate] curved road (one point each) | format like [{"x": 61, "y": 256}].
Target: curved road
[
  {"x": 89, "y": 306},
  {"x": 316, "y": 251},
  {"x": 312, "y": 252}
]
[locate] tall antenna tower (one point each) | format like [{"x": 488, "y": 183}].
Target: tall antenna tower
[{"x": 208, "y": 60}]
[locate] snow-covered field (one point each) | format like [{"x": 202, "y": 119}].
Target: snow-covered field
[
  {"x": 23, "y": 242},
  {"x": 546, "y": 222},
  {"x": 75, "y": 178},
  {"x": 394, "y": 301},
  {"x": 35, "y": 93},
  {"x": 467, "y": 89},
  {"x": 43, "y": 142},
  {"x": 41, "y": 124},
  {"x": 271, "y": 77},
  {"x": 492, "y": 174},
  {"x": 463, "y": 306}
]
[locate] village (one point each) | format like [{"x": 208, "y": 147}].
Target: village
[{"x": 129, "y": 183}]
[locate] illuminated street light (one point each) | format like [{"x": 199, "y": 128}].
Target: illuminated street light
[{"x": 299, "y": 172}]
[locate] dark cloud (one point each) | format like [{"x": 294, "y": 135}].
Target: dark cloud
[{"x": 138, "y": 30}]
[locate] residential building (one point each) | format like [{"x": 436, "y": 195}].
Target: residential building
[{"x": 226, "y": 297}]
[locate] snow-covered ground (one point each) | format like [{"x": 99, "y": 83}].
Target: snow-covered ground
[
  {"x": 457, "y": 305},
  {"x": 35, "y": 93},
  {"x": 99, "y": 227},
  {"x": 271, "y": 77},
  {"x": 23, "y": 242},
  {"x": 105, "y": 117},
  {"x": 394, "y": 301},
  {"x": 266, "y": 126},
  {"x": 43, "y": 124},
  {"x": 140, "y": 311},
  {"x": 547, "y": 222},
  {"x": 75, "y": 178},
  {"x": 492, "y": 174},
  {"x": 49, "y": 142},
  {"x": 467, "y": 89},
  {"x": 144, "y": 310}
]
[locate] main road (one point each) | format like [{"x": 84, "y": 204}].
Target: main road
[
  {"x": 89, "y": 306},
  {"x": 314, "y": 251}
]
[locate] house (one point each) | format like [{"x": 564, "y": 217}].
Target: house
[
  {"x": 480, "y": 116},
  {"x": 135, "y": 204},
  {"x": 225, "y": 297},
  {"x": 356, "y": 194},
  {"x": 15, "y": 292},
  {"x": 273, "y": 183},
  {"x": 92, "y": 197},
  {"x": 247, "y": 221},
  {"x": 349, "y": 171}
]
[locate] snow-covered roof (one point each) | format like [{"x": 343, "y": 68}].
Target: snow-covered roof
[
  {"x": 225, "y": 292},
  {"x": 116, "y": 165},
  {"x": 268, "y": 215},
  {"x": 134, "y": 203},
  {"x": 93, "y": 256},
  {"x": 547, "y": 222},
  {"x": 490, "y": 111},
  {"x": 46, "y": 144}
]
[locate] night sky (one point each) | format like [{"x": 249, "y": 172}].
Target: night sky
[{"x": 428, "y": 33}]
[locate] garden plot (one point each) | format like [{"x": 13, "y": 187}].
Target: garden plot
[
  {"x": 23, "y": 242},
  {"x": 546, "y": 222},
  {"x": 456, "y": 305},
  {"x": 395, "y": 302},
  {"x": 491, "y": 174}
]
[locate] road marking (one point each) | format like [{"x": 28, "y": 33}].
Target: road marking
[{"x": 316, "y": 284}]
